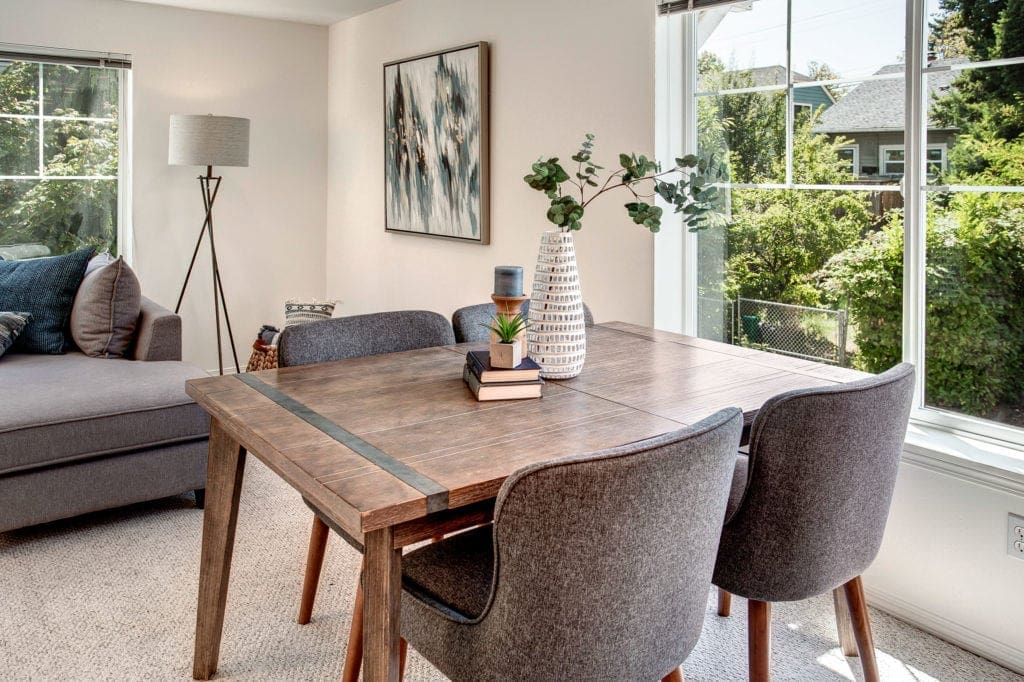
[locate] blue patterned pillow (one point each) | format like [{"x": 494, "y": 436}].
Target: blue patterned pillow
[
  {"x": 11, "y": 325},
  {"x": 45, "y": 288}
]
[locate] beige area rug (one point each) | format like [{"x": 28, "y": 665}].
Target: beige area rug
[{"x": 112, "y": 596}]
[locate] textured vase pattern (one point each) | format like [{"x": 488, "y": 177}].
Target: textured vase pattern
[{"x": 557, "y": 335}]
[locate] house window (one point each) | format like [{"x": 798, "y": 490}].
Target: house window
[
  {"x": 892, "y": 157},
  {"x": 924, "y": 265},
  {"x": 802, "y": 111},
  {"x": 62, "y": 153},
  {"x": 851, "y": 155}
]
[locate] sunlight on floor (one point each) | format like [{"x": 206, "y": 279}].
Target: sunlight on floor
[{"x": 890, "y": 667}]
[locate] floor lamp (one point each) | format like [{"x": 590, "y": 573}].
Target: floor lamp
[{"x": 209, "y": 141}]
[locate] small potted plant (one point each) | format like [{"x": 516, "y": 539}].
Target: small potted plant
[{"x": 507, "y": 350}]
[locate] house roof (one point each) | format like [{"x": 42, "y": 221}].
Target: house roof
[
  {"x": 875, "y": 106},
  {"x": 772, "y": 75}
]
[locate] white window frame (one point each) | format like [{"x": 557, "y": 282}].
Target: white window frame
[
  {"x": 124, "y": 117},
  {"x": 943, "y": 160},
  {"x": 855, "y": 148},
  {"x": 679, "y": 262},
  {"x": 883, "y": 162}
]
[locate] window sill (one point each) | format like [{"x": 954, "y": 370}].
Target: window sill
[{"x": 996, "y": 465}]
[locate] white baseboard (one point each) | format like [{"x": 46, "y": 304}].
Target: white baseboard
[{"x": 941, "y": 627}]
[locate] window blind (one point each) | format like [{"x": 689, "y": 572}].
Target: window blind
[
  {"x": 26, "y": 53},
  {"x": 677, "y": 6}
]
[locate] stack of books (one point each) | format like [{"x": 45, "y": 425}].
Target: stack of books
[{"x": 495, "y": 383}]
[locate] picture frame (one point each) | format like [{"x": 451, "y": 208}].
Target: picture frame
[{"x": 436, "y": 144}]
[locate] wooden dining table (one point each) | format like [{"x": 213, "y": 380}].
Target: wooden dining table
[{"x": 396, "y": 450}]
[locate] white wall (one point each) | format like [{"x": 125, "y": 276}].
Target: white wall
[
  {"x": 943, "y": 564},
  {"x": 558, "y": 70},
  {"x": 269, "y": 216}
]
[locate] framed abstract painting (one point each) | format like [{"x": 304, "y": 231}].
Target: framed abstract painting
[{"x": 436, "y": 145}]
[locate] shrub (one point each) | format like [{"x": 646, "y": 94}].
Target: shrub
[{"x": 974, "y": 350}]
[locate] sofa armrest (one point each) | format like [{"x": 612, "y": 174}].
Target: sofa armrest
[{"x": 158, "y": 336}]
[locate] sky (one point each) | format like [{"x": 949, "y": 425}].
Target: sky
[{"x": 854, "y": 37}]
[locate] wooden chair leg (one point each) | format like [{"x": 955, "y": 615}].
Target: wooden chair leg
[
  {"x": 354, "y": 654},
  {"x": 403, "y": 652},
  {"x": 759, "y": 639},
  {"x": 847, "y": 640},
  {"x": 862, "y": 627},
  {"x": 314, "y": 562},
  {"x": 724, "y": 603},
  {"x": 674, "y": 676}
]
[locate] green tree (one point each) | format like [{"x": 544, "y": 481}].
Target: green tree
[
  {"x": 778, "y": 239},
  {"x": 975, "y": 285},
  {"x": 64, "y": 215},
  {"x": 747, "y": 131}
]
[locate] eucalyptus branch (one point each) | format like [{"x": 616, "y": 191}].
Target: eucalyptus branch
[{"x": 691, "y": 194}]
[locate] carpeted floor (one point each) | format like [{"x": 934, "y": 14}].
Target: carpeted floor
[{"x": 112, "y": 596}]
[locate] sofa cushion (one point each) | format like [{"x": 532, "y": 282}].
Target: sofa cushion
[
  {"x": 44, "y": 287},
  {"x": 11, "y": 325},
  {"x": 72, "y": 407},
  {"x": 106, "y": 310}
]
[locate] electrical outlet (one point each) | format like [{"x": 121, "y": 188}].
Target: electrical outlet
[{"x": 1015, "y": 536}]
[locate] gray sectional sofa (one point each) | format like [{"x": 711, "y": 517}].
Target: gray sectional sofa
[{"x": 80, "y": 434}]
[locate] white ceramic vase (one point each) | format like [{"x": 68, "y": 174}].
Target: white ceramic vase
[{"x": 557, "y": 336}]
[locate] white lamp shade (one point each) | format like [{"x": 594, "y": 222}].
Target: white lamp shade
[{"x": 208, "y": 140}]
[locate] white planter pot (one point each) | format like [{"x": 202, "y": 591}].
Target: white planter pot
[{"x": 557, "y": 336}]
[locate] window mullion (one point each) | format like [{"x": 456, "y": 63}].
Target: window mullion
[
  {"x": 914, "y": 205},
  {"x": 42, "y": 147},
  {"x": 790, "y": 102}
]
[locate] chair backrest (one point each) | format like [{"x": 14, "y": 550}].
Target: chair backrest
[
  {"x": 351, "y": 337},
  {"x": 822, "y": 469},
  {"x": 603, "y": 560},
  {"x": 470, "y": 323}
]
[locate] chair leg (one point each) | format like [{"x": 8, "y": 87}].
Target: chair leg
[
  {"x": 847, "y": 640},
  {"x": 759, "y": 639},
  {"x": 724, "y": 603},
  {"x": 674, "y": 676},
  {"x": 403, "y": 652},
  {"x": 354, "y": 654},
  {"x": 314, "y": 562},
  {"x": 862, "y": 627}
]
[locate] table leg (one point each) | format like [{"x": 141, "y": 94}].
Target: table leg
[
  {"x": 224, "y": 469},
  {"x": 382, "y": 594}
]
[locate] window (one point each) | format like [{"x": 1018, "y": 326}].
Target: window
[
  {"x": 850, "y": 155},
  {"x": 62, "y": 153},
  {"x": 893, "y": 159},
  {"x": 922, "y": 262}
]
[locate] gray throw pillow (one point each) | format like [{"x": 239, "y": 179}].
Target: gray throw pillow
[
  {"x": 106, "y": 311},
  {"x": 45, "y": 288},
  {"x": 11, "y": 325},
  {"x": 98, "y": 261}
]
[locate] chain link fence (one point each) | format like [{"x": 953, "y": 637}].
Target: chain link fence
[{"x": 800, "y": 331}]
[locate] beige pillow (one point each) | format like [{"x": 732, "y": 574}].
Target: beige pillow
[{"x": 106, "y": 311}]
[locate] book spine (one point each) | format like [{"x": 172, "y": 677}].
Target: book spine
[{"x": 474, "y": 364}]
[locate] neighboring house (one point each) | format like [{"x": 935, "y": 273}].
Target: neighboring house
[
  {"x": 806, "y": 100},
  {"x": 871, "y": 116}
]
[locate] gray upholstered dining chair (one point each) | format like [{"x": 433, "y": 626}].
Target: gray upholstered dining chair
[
  {"x": 596, "y": 566},
  {"x": 808, "y": 507},
  {"x": 470, "y": 323},
  {"x": 339, "y": 339}
]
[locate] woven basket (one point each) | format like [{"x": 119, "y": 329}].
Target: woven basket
[{"x": 263, "y": 357}]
